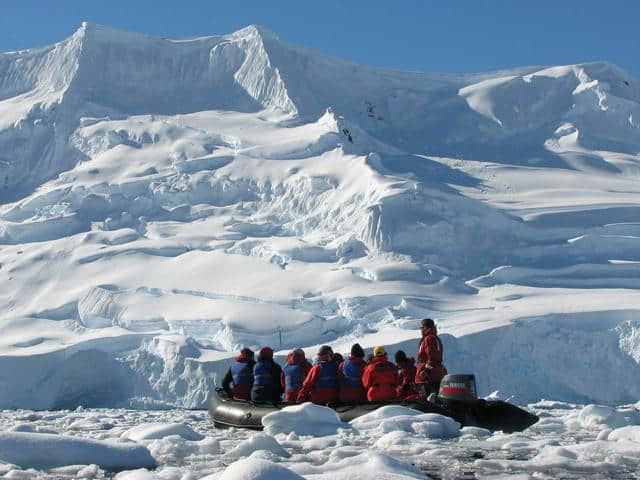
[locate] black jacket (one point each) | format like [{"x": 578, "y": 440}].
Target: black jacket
[{"x": 271, "y": 393}]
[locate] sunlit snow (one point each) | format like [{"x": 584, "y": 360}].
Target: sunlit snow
[{"x": 164, "y": 202}]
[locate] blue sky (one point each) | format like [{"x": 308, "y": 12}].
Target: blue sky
[{"x": 436, "y": 36}]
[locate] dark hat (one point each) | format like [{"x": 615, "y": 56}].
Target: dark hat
[
  {"x": 265, "y": 352},
  {"x": 428, "y": 323},
  {"x": 357, "y": 351},
  {"x": 400, "y": 357},
  {"x": 325, "y": 350},
  {"x": 247, "y": 352}
]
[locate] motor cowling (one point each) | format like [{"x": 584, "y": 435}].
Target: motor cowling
[{"x": 458, "y": 388}]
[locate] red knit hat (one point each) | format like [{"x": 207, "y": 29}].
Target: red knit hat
[{"x": 266, "y": 352}]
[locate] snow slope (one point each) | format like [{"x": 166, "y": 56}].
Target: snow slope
[{"x": 165, "y": 201}]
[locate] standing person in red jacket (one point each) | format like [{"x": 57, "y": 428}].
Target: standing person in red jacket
[
  {"x": 380, "y": 378},
  {"x": 240, "y": 374},
  {"x": 293, "y": 374},
  {"x": 430, "y": 368},
  {"x": 406, "y": 375},
  {"x": 350, "y": 374},
  {"x": 321, "y": 384}
]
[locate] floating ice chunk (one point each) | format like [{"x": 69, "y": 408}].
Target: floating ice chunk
[
  {"x": 168, "y": 473},
  {"x": 89, "y": 424},
  {"x": 29, "y": 428},
  {"x": 594, "y": 416},
  {"x": 76, "y": 472},
  {"x": 396, "y": 417},
  {"x": 152, "y": 431},
  {"x": 258, "y": 442},
  {"x": 630, "y": 433},
  {"x": 392, "y": 439},
  {"x": 139, "y": 474},
  {"x": 592, "y": 456},
  {"x": 174, "y": 448},
  {"x": 305, "y": 419},
  {"x": 371, "y": 420},
  {"x": 209, "y": 446},
  {"x": 366, "y": 465},
  {"x": 44, "y": 450},
  {"x": 475, "y": 432},
  {"x": 255, "y": 469},
  {"x": 436, "y": 426}
]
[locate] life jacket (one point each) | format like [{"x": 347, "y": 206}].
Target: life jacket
[
  {"x": 262, "y": 373},
  {"x": 328, "y": 375},
  {"x": 352, "y": 372},
  {"x": 241, "y": 373},
  {"x": 293, "y": 377}
]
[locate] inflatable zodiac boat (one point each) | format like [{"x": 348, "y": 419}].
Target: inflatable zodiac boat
[{"x": 456, "y": 399}]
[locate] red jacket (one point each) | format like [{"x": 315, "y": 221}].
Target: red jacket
[
  {"x": 349, "y": 391},
  {"x": 380, "y": 379},
  {"x": 407, "y": 379},
  {"x": 321, "y": 384},
  {"x": 291, "y": 394},
  {"x": 430, "y": 367}
]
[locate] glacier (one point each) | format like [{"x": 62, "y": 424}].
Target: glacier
[{"x": 165, "y": 201}]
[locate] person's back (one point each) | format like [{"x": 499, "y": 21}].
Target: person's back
[
  {"x": 321, "y": 384},
  {"x": 406, "y": 375},
  {"x": 380, "y": 378},
  {"x": 350, "y": 375},
  {"x": 294, "y": 374},
  {"x": 266, "y": 378},
  {"x": 240, "y": 374},
  {"x": 430, "y": 370}
]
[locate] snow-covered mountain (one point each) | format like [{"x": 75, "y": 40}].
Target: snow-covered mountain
[{"x": 164, "y": 201}]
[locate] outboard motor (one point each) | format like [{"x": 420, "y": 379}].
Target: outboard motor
[
  {"x": 458, "y": 395},
  {"x": 458, "y": 389}
]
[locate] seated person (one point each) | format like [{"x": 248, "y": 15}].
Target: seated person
[
  {"x": 321, "y": 384},
  {"x": 380, "y": 378},
  {"x": 266, "y": 378},
  {"x": 240, "y": 373},
  {"x": 350, "y": 377},
  {"x": 406, "y": 376},
  {"x": 293, "y": 374}
]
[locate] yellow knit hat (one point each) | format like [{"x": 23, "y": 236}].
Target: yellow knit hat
[{"x": 378, "y": 351}]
